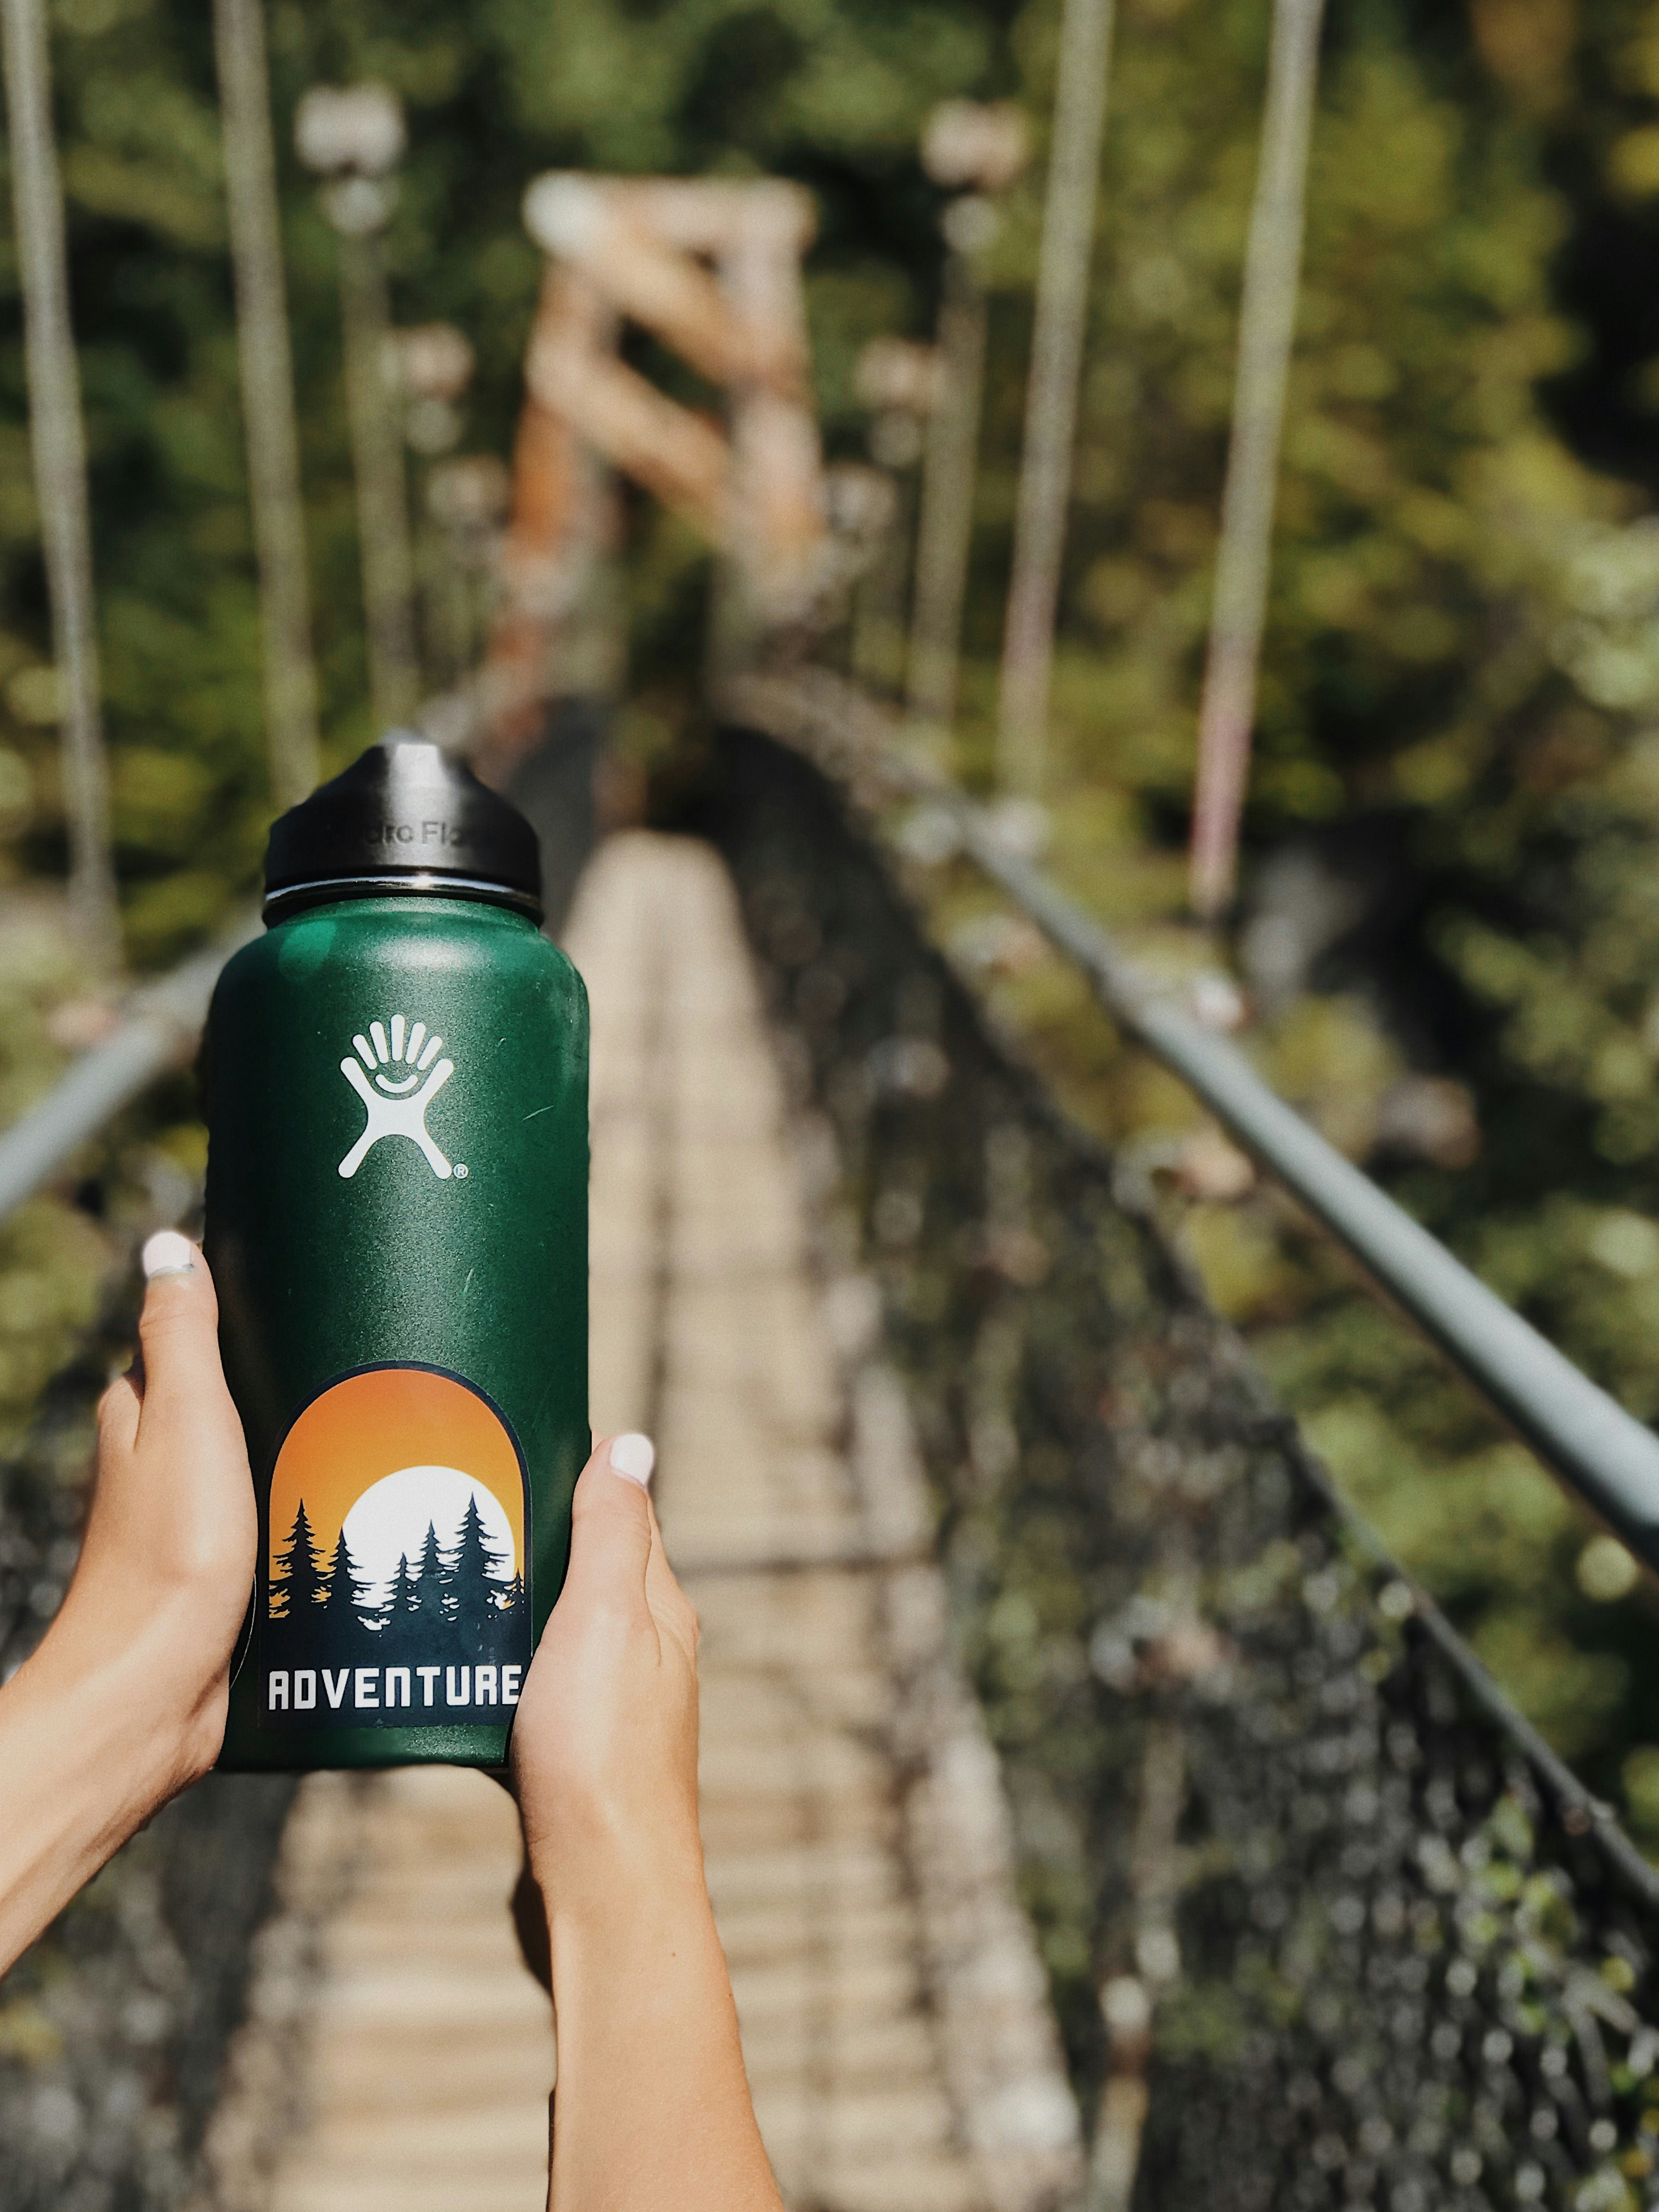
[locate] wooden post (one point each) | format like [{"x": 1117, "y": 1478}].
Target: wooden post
[
  {"x": 265, "y": 359},
  {"x": 638, "y": 248},
  {"x": 59, "y": 443},
  {"x": 554, "y": 632},
  {"x": 775, "y": 528},
  {"x": 1272, "y": 276},
  {"x": 1062, "y": 307}
]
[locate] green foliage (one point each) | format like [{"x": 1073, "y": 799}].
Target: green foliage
[
  {"x": 493, "y": 95},
  {"x": 1457, "y": 699}
]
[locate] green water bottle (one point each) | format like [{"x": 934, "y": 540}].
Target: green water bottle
[{"x": 396, "y": 1076}]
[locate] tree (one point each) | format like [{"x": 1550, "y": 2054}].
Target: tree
[
  {"x": 296, "y": 1585},
  {"x": 1431, "y": 700},
  {"x": 474, "y": 1586},
  {"x": 401, "y": 1601},
  {"x": 1450, "y": 747},
  {"x": 343, "y": 1603},
  {"x": 395, "y": 1615},
  {"x": 430, "y": 1610}
]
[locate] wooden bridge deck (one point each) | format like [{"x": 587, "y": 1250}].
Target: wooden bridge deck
[{"x": 893, "y": 2013}]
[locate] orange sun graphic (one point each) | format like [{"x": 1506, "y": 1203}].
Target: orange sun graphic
[{"x": 381, "y": 1423}]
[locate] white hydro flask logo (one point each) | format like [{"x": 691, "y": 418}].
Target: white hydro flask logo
[{"x": 395, "y": 1107}]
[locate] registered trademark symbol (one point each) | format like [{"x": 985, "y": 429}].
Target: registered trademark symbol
[{"x": 460, "y": 1171}]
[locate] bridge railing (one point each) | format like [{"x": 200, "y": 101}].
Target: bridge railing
[
  {"x": 1326, "y": 1926},
  {"x": 1606, "y": 1457},
  {"x": 1281, "y": 1783},
  {"x": 157, "y": 1028}
]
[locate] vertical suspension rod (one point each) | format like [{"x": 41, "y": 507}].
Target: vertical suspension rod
[
  {"x": 382, "y": 493},
  {"x": 59, "y": 443},
  {"x": 1267, "y": 331},
  {"x": 945, "y": 533},
  {"x": 266, "y": 358},
  {"x": 1051, "y": 397}
]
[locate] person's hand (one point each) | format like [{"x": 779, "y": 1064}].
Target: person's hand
[
  {"x": 123, "y": 1704},
  {"x": 652, "y": 2108},
  {"x": 604, "y": 1741},
  {"x": 167, "y": 1562}
]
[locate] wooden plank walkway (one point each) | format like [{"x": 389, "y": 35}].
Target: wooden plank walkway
[{"x": 893, "y": 2013}]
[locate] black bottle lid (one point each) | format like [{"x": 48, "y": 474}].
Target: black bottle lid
[{"x": 404, "y": 816}]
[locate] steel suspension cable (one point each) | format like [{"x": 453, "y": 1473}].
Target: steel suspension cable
[
  {"x": 266, "y": 358},
  {"x": 57, "y": 439},
  {"x": 1602, "y": 1451},
  {"x": 945, "y": 529},
  {"x": 382, "y": 495},
  {"x": 1272, "y": 279},
  {"x": 1051, "y": 397}
]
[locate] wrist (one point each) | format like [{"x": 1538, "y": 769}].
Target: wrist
[
  {"x": 137, "y": 1694},
  {"x": 632, "y": 1935},
  {"x": 91, "y": 1745},
  {"x": 612, "y": 1885}
]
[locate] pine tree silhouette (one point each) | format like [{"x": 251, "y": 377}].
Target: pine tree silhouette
[
  {"x": 395, "y": 1618},
  {"x": 431, "y": 1607},
  {"x": 344, "y": 1632},
  {"x": 510, "y": 1630},
  {"x": 345, "y": 1585},
  {"x": 401, "y": 1601},
  {"x": 474, "y": 1584},
  {"x": 295, "y": 1586}
]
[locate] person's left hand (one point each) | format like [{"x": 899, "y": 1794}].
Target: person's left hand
[
  {"x": 123, "y": 1703},
  {"x": 167, "y": 1560}
]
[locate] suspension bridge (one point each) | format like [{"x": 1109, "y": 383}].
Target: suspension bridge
[{"x": 1341, "y": 1932}]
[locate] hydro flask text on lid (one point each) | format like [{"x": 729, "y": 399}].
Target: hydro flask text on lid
[{"x": 404, "y": 816}]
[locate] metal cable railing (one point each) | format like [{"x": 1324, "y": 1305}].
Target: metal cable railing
[
  {"x": 1326, "y": 1924},
  {"x": 1610, "y": 1459},
  {"x": 157, "y": 1028},
  {"x": 1606, "y": 1455},
  {"x": 1333, "y": 1797}
]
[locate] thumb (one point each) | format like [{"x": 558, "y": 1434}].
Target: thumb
[
  {"x": 178, "y": 1329},
  {"x": 611, "y": 1527}
]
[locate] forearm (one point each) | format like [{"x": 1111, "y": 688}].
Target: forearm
[
  {"x": 94, "y": 1735},
  {"x": 652, "y": 2110}
]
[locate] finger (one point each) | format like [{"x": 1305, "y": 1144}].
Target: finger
[
  {"x": 117, "y": 1416},
  {"x": 670, "y": 1606},
  {"x": 178, "y": 1329},
  {"x": 611, "y": 1526}
]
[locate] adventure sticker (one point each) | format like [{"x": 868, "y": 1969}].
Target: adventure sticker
[{"x": 394, "y": 1590}]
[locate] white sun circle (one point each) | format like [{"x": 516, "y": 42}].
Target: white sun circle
[{"x": 390, "y": 1522}]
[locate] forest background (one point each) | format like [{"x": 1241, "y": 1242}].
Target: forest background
[{"x": 1450, "y": 929}]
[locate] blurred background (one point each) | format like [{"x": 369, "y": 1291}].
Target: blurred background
[
  {"x": 1450, "y": 919},
  {"x": 1444, "y": 944}
]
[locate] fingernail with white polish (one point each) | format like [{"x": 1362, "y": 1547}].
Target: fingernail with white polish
[
  {"x": 633, "y": 1457},
  {"x": 167, "y": 1253}
]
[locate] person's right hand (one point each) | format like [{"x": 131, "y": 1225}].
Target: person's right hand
[
  {"x": 604, "y": 1741},
  {"x": 653, "y": 2108}
]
